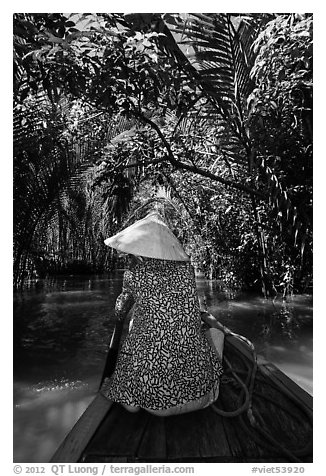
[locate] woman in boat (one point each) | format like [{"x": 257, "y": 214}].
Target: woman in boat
[{"x": 166, "y": 364}]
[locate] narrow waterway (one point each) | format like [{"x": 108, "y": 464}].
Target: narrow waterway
[{"x": 62, "y": 330}]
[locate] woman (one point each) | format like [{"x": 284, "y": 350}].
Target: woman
[{"x": 166, "y": 364}]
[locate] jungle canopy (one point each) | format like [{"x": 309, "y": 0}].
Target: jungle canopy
[{"x": 209, "y": 113}]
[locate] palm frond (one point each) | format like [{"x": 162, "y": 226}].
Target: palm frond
[
  {"x": 50, "y": 161},
  {"x": 287, "y": 214}
]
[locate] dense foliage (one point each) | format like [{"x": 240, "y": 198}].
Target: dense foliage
[{"x": 214, "y": 108}]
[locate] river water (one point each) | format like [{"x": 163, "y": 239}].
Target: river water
[{"x": 62, "y": 330}]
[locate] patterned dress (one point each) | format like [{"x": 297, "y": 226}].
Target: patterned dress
[{"x": 166, "y": 360}]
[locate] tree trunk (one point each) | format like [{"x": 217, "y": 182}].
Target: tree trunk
[{"x": 267, "y": 285}]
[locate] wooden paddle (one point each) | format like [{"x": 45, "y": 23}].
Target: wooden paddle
[{"x": 112, "y": 355}]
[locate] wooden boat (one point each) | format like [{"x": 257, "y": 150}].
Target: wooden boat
[{"x": 261, "y": 415}]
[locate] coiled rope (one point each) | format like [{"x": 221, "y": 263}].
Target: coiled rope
[{"x": 250, "y": 417}]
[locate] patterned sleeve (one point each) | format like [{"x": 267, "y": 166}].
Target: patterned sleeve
[
  {"x": 128, "y": 281},
  {"x": 125, "y": 299}
]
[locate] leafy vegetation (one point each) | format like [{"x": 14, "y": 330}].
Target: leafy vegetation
[{"x": 216, "y": 109}]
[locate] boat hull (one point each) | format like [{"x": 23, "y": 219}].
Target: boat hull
[{"x": 278, "y": 427}]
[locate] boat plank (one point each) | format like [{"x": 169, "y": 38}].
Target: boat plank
[
  {"x": 215, "y": 443},
  {"x": 189, "y": 436},
  {"x": 286, "y": 422},
  {"x": 244, "y": 449},
  {"x": 181, "y": 436},
  {"x": 153, "y": 443},
  {"x": 74, "y": 444},
  {"x": 241, "y": 444},
  {"x": 124, "y": 441},
  {"x": 90, "y": 458}
]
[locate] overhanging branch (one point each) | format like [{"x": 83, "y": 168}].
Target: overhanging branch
[
  {"x": 197, "y": 170},
  {"x": 217, "y": 178}
]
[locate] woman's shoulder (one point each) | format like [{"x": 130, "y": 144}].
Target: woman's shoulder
[
  {"x": 164, "y": 264},
  {"x": 150, "y": 266},
  {"x": 166, "y": 269}
]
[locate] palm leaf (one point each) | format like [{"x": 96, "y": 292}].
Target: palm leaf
[
  {"x": 214, "y": 57},
  {"x": 286, "y": 213}
]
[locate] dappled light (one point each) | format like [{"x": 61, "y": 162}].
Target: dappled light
[
  {"x": 118, "y": 111},
  {"x": 201, "y": 120}
]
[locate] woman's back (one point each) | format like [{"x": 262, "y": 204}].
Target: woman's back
[
  {"x": 166, "y": 292},
  {"x": 166, "y": 360}
]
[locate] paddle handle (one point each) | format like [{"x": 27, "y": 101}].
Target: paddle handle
[{"x": 112, "y": 355}]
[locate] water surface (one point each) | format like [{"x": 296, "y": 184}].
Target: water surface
[{"x": 62, "y": 330}]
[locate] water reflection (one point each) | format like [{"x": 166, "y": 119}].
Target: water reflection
[
  {"x": 62, "y": 330},
  {"x": 281, "y": 330},
  {"x": 42, "y": 419}
]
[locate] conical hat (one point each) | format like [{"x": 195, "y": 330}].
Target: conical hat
[{"x": 149, "y": 237}]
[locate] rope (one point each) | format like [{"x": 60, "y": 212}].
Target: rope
[
  {"x": 271, "y": 444},
  {"x": 246, "y": 406},
  {"x": 246, "y": 403},
  {"x": 258, "y": 425},
  {"x": 256, "y": 422}
]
